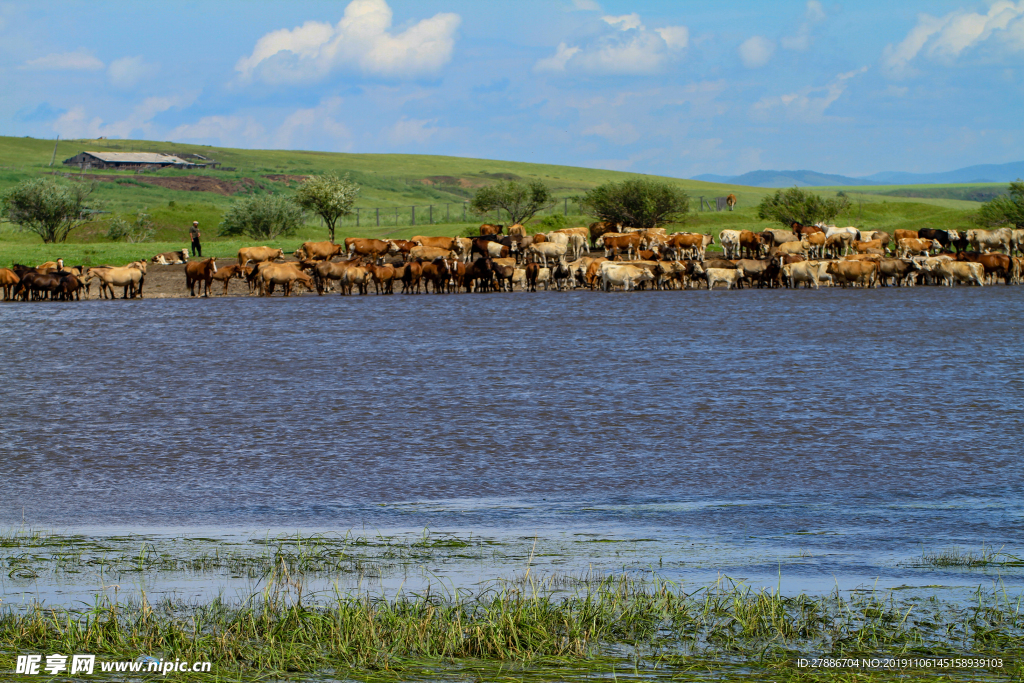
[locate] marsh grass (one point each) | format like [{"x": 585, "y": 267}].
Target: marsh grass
[
  {"x": 970, "y": 559},
  {"x": 652, "y": 628},
  {"x": 527, "y": 626}
]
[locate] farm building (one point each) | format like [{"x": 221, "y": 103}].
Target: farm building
[{"x": 128, "y": 160}]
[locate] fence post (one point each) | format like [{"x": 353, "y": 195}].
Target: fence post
[
  {"x": 414, "y": 215},
  {"x": 357, "y": 218},
  {"x": 396, "y": 216},
  {"x": 378, "y": 216},
  {"x": 463, "y": 211},
  {"x": 566, "y": 206},
  {"x": 448, "y": 212},
  {"x": 431, "y": 221}
]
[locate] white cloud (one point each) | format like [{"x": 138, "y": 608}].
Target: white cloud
[
  {"x": 625, "y": 22},
  {"x": 129, "y": 71},
  {"x": 676, "y": 37},
  {"x": 756, "y": 51},
  {"x": 221, "y": 130},
  {"x": 315, "y": 128},
  {"x": 557, "y": 61},
  {"x": 946, "y": 38},
  {"x": 75, "y": 123},
  {"x": 361, "y": 41},
  {"x": 808, "y": 104},
  {"x": 408, "y": 131},
  {"x": 813, "y": 14},
  {"x": 627, "y": 47},
  {"x": 66, "y": 61},
  {"x": 620, "y": 134}
]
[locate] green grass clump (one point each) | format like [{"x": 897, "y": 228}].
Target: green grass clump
[
  {"x": 955, "y": 557},
  {"x": 653, "y": 628}
]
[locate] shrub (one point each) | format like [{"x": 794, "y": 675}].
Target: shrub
[
  {"x": 521, "y": 201},
  {"x": 262, "y": 217},
  {"x": 49, "y": 208},
  {"x": 638, "y": 203},
  {"x": 140, "y": 230},
  {"x": 795, "y": 205}
]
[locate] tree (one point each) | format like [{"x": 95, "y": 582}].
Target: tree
[
  {"x": 795, "y": 205},
  {"x": 1004, "y": 210},
  {"x": 49, "y": 208},
  {"x": 638, "y": 203},
  {"x": 140, "y": 230},
  {"x": 262, "y": 217},
  {"x": 328, "y": 196},
  {"x": 521, "y": 201}
]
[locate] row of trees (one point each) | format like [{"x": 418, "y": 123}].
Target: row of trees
[{"x": 52, "y": 209}]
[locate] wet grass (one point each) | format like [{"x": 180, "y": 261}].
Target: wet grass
[
  {"x": 528, "y": 629},
  {"x": 296, "y": 622},
  {"x": 956, "y": 557}
]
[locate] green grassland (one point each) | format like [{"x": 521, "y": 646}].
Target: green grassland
[{"x": 437, "y": 186}]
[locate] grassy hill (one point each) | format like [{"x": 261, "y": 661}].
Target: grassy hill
[{"x": 437, "y": 186}]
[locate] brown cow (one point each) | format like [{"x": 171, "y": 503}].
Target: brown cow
[
  {"x": 200, "y": 271},
  {"x": 804, "y": 230},
  {"x": 320, "y": 251},
  {"x": 996, "y": 265},
  {"x": 751, "y": 244},
  {"x": 863, "y": 247},
  {"x": 898, "y": 235},
  {"x": 404, "y": 247},
  {"x": 371, "y": 248},
  {"x": 491, "y": 229},
  {"x": 258, "y": 254},
  {"x": 593, "y": 275},
  {"x": 431, "y": 253},
  {"x": 449, "y": 243},
  {"x": 863, "y": 273},
  {"x": 907, "y": 246},
  {"x": 692, "y": 242},
  {"x": 601, "y": 227},
  {"x": 616, "y": 242}
]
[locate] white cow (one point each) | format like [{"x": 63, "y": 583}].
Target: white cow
[
  {"x": 729, "y": 276},
  {"x": 991, "y": 240},
  {"x": 962, "y": 271},
  {"x": 730, "y": 241},
  {"x": 806, "y": 271},
  {"x": 623, "y": 275},
  {"x": 545, "y": 251}
]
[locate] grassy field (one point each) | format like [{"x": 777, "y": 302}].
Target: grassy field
[{"x": 438, "y": 187}]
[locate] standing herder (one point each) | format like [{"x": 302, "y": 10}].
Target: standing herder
[{"x": 197, "y": 249}]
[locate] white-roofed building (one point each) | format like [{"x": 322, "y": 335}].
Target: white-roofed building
[{"x": 128, "y": 160}]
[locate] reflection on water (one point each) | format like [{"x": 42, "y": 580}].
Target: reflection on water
[{"x": 857, "y": 427}]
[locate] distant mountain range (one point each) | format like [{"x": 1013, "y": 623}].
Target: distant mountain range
[{"x": 985, "y": 173}]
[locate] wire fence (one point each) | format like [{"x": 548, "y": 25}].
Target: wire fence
[{"x": 440, "y": 214}]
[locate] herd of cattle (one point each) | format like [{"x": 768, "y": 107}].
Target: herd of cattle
[{"x": 500, "y": 260}]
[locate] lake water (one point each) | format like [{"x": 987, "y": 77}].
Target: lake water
[{"x": 825, "y": 435}]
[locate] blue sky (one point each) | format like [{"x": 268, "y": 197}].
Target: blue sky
[{"x": 669, "y": 88}]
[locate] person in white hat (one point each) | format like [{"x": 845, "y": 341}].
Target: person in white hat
[{"x": 197, "y": 249}]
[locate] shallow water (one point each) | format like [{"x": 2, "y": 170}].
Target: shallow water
[{"x": 847, "y": 429}]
